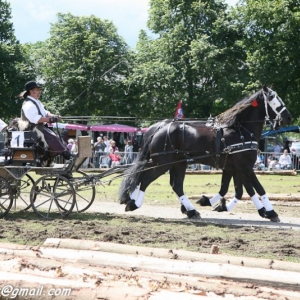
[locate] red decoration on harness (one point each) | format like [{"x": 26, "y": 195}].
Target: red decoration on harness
[{"x": 254, "y": 103}]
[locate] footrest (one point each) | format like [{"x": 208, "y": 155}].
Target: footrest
[{"x": 23, "y": 154}]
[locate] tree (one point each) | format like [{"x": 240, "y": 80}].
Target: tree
[
  {"x": 197, "y": 57},
  {"x": 272, "y": 43},
  {"x": 83, "y": 66},
  {"x": 12, "y": 74}
]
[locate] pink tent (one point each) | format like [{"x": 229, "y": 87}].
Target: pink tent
[
  {"x": 144, "y": 129},
  {"x": 114, "y": 128},
  {"x": 77, "y": 126}
]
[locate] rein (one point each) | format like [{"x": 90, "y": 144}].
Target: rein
[{"x": 232, "y": 149}]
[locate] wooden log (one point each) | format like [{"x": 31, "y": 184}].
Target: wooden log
[
  {"x": 132, "y": 276},
  {"x": 85, "y": 282},
  {"x": 171, "y": 254}
]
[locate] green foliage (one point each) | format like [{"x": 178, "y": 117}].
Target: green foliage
[
  {"x": 202, "y": 53},
  {"x": 271, "y": 37},
  {"x": 197, "y": 58},
  {"x": 11, "y": 60},
  {"x": 83, "y": 67}
]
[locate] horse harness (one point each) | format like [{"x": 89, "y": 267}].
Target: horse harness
[{"x": 220, "y": 139}]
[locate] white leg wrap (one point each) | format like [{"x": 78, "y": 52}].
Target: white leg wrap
[
  {"x": 186, "y": 202},
  {"x": 215, "y": 199},
  {"x": 140, "y": 199},
  {"x": 134, "y": 194},
  {"x": 256, "y": 202},
  {"x": 232, "y": 204},
  {"x": 267, "y": 204}
]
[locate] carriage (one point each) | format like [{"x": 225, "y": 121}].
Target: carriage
[{"x": 55, "y": 191}]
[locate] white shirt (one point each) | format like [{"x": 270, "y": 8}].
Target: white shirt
[
  {"x": 107, "y": 146},
  {"x": 285, "y": 159},
  {"x": 31, "y": 112},
  {"x": 2, "y": 125},
  {"x": 258, "y": 159}
]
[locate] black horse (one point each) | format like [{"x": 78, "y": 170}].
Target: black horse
[{"x": 229, "y": 142}]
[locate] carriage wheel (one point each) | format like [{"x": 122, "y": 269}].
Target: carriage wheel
[
  {"x": 85, "y": 193},
  {"x": 6, "y": 197},
  {"x": 52, "y": 197},
  {"x": 23, "y": 189}
]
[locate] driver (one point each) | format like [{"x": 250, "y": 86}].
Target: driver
[{"x": 34, "y": 112}]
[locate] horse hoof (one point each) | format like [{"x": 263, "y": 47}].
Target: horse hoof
[
  {"x": 204, "y": 201},
  {"x": 193, "y": 214},
  {"x": 262, "y": 212},
  {"x": 183, "y": 209},
  {"x": 131, "y": 206},
  {"x": 275, "y": 219},
  {"x": 273, "y": 216},
  {"x": 125, "y": 199},
  {"x": 221, "y": 207}
]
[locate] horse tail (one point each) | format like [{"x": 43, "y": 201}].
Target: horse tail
[{"x": 132, "y": 175}]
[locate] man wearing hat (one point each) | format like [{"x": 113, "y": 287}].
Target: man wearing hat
[{"x": 34, "y": 112}]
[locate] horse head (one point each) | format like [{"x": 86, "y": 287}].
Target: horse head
[{"x": 275, "y": 109}]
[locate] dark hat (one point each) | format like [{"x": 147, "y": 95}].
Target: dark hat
[
  {"x": 31, "y": 85},
  {"x": 28, "y": 86}
]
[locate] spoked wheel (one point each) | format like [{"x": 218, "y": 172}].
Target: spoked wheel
[
  {"x": 6, "y": 197},
  {"x": 52, "y": 197},
  {"x": 85, "y": 192},
  {"x": 23, "y": 190}
]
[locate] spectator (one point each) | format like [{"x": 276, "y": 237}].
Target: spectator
[
  {"x": 277, "y": 150},
  {"x": 107, "y": 144},
  {"x": 74, "y": 150},
  {"x": 259, "y": 164},
  {"x": 113, "y": 147},
  {"x": 115, "y": 158},
  {"x": 70, "y": 144},
  {"x": 128, "y": 153},
  {"x": 273, "y": 162},
  {"x": 99, "y": 148},
  {"x": 285, "y": 160}
]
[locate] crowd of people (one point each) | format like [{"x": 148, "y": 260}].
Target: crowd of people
[
  {"x": 275, "y": 161},
  {"x": 106, "y": 153}
]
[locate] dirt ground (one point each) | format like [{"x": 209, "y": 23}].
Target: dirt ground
[{"x": 242, "y": 233}]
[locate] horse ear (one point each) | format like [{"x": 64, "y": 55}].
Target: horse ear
[{"x": 265, "y": 88}]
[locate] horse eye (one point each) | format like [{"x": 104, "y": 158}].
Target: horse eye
[{"x": 271, "y": 97}]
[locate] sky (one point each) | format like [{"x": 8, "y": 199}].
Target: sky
[{"x": 32, "y": 19}]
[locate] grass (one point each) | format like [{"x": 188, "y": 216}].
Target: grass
[{"x": 160, "y": 191}]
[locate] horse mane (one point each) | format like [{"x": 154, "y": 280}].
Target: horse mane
[{"x": 232, "y": 115}]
